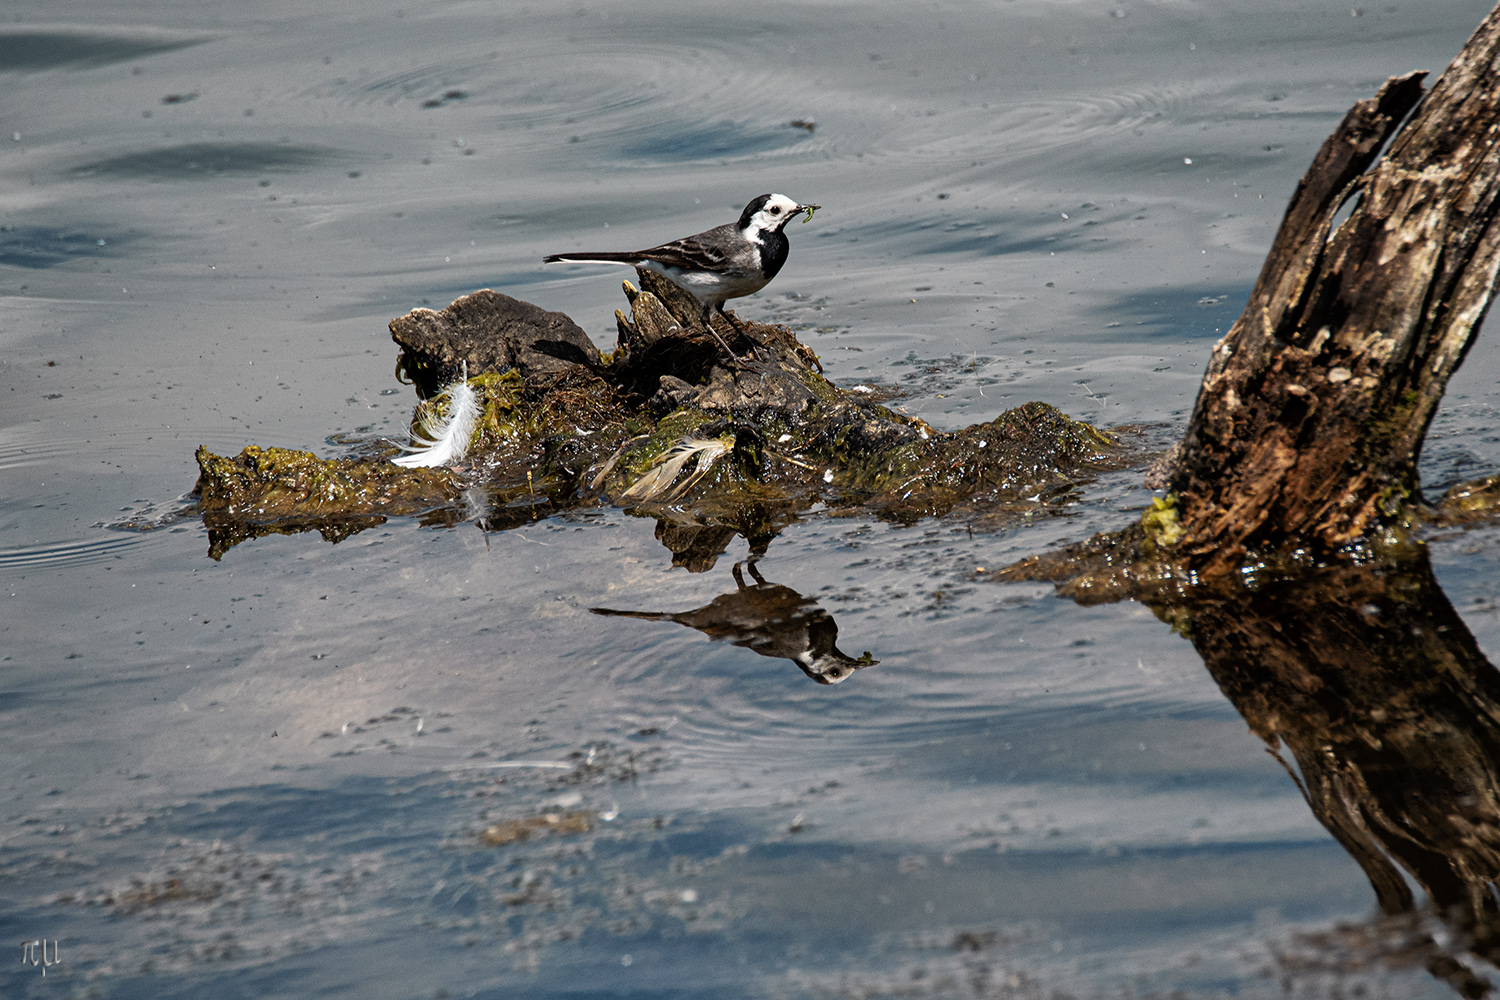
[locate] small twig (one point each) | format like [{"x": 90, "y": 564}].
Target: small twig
[{"x": 786, "y": 458}]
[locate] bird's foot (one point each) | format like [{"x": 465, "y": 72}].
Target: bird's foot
[{"x": 751, "y": 361}]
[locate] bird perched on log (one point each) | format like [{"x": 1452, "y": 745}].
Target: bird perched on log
[{"x": 726, "y": 262}]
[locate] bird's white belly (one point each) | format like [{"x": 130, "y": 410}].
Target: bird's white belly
[{"x": 707, "y": 286}]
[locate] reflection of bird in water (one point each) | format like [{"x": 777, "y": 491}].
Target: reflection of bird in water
[{"x": 773, "y": 621}]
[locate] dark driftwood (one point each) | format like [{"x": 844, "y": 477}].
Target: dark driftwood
[
  {"x": 1281, "y": 551},
  {"x": 498, "y": 333},
  {"x": 562, "y": 427},
  {"x": 1303, "y": 445},
  {"x": 1373, "y": 684},
  {"x": 1311, "y": 416}
]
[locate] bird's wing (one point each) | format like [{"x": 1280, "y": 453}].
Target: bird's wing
[{"x": 703, "y": 252}]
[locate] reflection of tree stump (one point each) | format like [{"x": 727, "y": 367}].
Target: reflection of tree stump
[
  {"x": 1280, "y": 551},
  {"x": 1370, "y": 679},
  {"x": 1309, "y": 422}
]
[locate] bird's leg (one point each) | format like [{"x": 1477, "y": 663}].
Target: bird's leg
[
  {"x": 750, "y": 565},
  {"x": 708, "y": 325},
  {"x": 740, "y": 330},
  {"x": 730, "y": 319}
]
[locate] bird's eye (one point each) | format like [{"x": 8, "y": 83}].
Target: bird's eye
[{"x": 775, "y": 210}]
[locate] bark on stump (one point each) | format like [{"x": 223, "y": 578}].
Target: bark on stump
[{"x": 1311, "y": 416}]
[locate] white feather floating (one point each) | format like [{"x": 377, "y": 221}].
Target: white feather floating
[
  {"x": 667, "y": 466},
  {"x": 443, "y": 432}
]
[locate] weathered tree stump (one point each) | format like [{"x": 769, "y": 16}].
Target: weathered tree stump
[
  {"x": 1303, "y": 444},
  {"x": 1310, "y": 419},
  {"x": 1282, "y": 549}
]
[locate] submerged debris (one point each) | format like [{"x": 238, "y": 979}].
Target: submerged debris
[
  {"x": 514, "y": 831},
  {"x": 663, "y": 425},
  {"x": 1476, "y": 500}
]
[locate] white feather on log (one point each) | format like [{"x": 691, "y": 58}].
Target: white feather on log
[{"x": 443, "y": 432}]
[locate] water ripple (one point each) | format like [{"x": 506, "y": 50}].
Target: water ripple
[
  {"x": 78, "y": 552},
  {"x": 642, "y": 102},
  {"x": 36, "y": 48},
  {"x": 38, "y": 444},
  {"x": 17, "y": 454},
  {"x": 210, "y": 159}
]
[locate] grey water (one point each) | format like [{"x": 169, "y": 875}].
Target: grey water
[{"x": 289, "y": 772}]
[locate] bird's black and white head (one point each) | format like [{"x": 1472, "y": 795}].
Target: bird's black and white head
[
  {"x": 832, "y": 666},
  {"x": 769, "y": 214}
]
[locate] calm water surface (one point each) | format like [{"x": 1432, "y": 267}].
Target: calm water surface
[{"x": 273, "y": 775}]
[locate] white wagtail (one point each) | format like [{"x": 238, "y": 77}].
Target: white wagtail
[{"x": 725, "y": 262}]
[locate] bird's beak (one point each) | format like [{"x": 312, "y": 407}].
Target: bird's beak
[{"x": 809, "y": 209}]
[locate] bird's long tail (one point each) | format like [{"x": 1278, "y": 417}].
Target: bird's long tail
[
  {"x": 654, "y": 616},
  {"x": 603, "y": 257}
]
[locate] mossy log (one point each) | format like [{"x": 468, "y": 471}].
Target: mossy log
[
  {"x": 280, "y": 491},
  {"x": 665, "y": 425}
]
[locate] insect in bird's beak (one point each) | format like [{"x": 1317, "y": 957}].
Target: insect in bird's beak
[{"x": 809, "y": 209}]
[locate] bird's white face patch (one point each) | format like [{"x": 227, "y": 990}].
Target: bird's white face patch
[{"x": 771, "y": 217}]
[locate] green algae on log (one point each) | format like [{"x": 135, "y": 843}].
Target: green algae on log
[
  {"x": 280, "y": 491},
  {"x": 275, "y": 483},
  {"x": 562, "y": 426}
]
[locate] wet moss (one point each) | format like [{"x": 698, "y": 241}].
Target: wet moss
[
  {"x": 555, "y": 434},
  {"x": 1161, "y": 522},
  {"x": 274, "y": 484},
  {"x": 1030, "y": 455},
  {"x": 281, "y": 491},
  {"x": 676, "y": 425}
]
